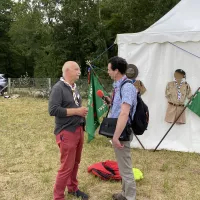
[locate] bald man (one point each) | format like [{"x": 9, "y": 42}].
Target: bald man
[{"x": 65, "y": 105}]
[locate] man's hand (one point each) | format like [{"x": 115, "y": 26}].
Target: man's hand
[
  {"x": 116, "y": 143},
  {"x": 108, "y": 100},
  {"x": 121, "y": 124},
  {"x": 82, "y": 111}
]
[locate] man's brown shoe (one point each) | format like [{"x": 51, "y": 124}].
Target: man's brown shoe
[{"x": 118, "y": 197}]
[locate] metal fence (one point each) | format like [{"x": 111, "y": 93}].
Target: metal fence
[{"x": 41, "y": 87}]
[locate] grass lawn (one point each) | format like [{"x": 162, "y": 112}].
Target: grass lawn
[{"x": 29, "y": 160}]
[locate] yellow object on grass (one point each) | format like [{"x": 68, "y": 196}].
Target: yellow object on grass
[{"x": 138, "y": 175}]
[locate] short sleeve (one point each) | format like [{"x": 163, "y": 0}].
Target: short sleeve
[{"x": 129, "y": 94}]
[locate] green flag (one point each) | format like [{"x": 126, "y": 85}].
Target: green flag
[
  {"x": 96, "y": 107},
  {"x": 195, "y": 104}
]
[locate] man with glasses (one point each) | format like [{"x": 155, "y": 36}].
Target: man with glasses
[{"x": 65, "y": 105}]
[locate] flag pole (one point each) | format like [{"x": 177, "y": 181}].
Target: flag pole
[
  {"x": 89, "y": 64},
  {"x": 176, "y": 119}
]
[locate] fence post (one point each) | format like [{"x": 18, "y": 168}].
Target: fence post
[
  {"x": 49, "y": 82},
  {"x": 9, "y": 85}
]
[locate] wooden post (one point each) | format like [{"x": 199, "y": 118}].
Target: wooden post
[
  {"x": 49, "y": 83},
  {"x": 9, "y": 85}
]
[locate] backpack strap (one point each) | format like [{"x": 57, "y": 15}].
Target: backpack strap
[
  {"x": 123, "y": 83},
  {"x": 126, "y": 81}
]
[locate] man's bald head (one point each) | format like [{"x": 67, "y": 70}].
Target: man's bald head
[
  {"x": 68, "y": 65},
  {"x": 71, "y": 71}
]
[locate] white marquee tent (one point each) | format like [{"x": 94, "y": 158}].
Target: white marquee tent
[{"x": 157, "y": 54}]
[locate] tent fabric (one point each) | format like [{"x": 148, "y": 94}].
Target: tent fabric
[
  {"x": 179, "y": 24},
  {"x": 157, "y": 62}
]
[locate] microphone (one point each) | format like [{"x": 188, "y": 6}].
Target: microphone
[{"x": 101, "y": 95}]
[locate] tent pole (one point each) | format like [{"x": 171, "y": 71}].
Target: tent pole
[
  {"x": 176, "y": 120},
  {"x": 138, "y": 140}
]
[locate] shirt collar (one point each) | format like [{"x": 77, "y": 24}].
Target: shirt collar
[
  {"x": 119, "y": 82},
  {"x": 176, "y": 83},
  {"x": 73, "y": 87}
]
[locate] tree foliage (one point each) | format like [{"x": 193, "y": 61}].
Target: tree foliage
[{"x": 38, "y": 36}]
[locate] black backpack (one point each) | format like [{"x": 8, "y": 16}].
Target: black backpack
[{"x": 141, "y": 118}]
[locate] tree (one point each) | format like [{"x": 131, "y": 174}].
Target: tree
[
  {"x": 5, "y": 51},
  {"x": 38, "y": 36}
]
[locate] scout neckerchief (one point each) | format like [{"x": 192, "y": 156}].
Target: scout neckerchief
[
  {"x": 179, "y": 88},
  {"x": 74, "y": 92}
]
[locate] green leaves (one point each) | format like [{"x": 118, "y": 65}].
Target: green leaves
[{"x": 38, "y": 36}]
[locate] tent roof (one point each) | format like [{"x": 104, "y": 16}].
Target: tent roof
[{"x": 179, "y": 24}]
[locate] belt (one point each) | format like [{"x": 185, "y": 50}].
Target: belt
[{"x": 178, "y": 105}]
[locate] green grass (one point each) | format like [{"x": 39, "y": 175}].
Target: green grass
[{"x": 29, "y": 160}]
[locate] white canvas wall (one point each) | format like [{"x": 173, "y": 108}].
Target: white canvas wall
[{"x": 156, "y": 63}]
